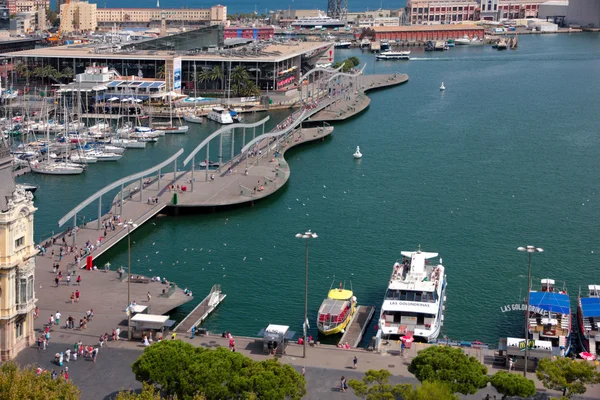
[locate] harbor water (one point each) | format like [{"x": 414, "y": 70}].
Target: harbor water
[{"x": 506, "y": 156}]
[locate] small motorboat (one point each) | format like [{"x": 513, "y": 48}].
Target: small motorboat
[
  {"x": 442, "y": 87},
  {"x": 211, "y": 164},
  {"x": 357, "y": 153},
  {"x": 29, "y": 187}
]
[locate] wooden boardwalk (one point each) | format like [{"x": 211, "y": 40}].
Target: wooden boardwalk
[
  {"x": 357, "y": 327},
  {"x": 202, "y": 310}
]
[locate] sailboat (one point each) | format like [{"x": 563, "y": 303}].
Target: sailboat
[
  {"x": 50, "y": 167},
  {"x": 163, "y": 128}
]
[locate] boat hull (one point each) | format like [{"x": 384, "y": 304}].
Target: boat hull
[
  {"x": 193, "y": 119},
  {"x": 338, "y": 328}
]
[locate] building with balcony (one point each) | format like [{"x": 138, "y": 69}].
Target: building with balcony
[
  {"x": 383, "y": 21},
  {"x": 515, "y": 9},
  {"x": 78, "y": 16},
  {"x": 432, "y": 12},
  {"x": 131, "y": 17},
  {"x": 17, "y": 262},
  {"x": 17, "y": 6},
  {"x": 25, "y": 23}
]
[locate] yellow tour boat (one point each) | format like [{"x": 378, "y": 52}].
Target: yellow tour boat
[{"x": 336, "y": 311}]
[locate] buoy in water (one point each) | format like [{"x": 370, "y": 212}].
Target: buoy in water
[
  {"x": 442, "y": 87},
  {"x": 357, "y": 153}
]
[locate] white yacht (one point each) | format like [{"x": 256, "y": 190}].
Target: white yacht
[
  {"x": 112, "y": 149},
  {"x": 165, "y": 128},
  {"x": 220, "y": 115},
  {"x": 414, "y": 300},
  {"x": 128, "y": 143},
  {"x": 193, "y": 118},
  {"x": 102, "y": 156},
  {"x": 320, "y": 21},
  {"x": 53, "y": 168},
  {"x": 394, "y": 55},
  {"x": 83, "y": 159}
]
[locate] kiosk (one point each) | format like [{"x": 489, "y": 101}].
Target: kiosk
[{"x": 275, "y": 338}]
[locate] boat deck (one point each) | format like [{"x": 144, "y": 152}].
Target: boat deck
[{"x": 358, "y": 325}]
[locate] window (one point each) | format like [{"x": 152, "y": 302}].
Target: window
[
  {"x": 19, "y": 242},
  {"x": 23, "y": 291},
  {"x": 495, "y": 7},
  {"x": 19, "y": 329}
]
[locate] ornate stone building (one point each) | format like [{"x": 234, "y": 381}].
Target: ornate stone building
[{"x": 17, "y": 262}]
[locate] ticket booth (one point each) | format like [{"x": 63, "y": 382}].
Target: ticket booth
[{"x": 276, "y": 338}]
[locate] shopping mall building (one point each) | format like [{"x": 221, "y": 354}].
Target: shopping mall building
[{"x": 271, "y": 65}]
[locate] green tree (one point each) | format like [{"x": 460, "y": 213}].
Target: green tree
[
  {"x": 462, "y": 373},
  {"x": 239, "y": 78},
  {"x": 148, "y": 392},
  {"x": 26, "y": 384},
  {"x": 375, "y": 386},
  {"x": 217, "y": 74},
  {"x": 180, "y": 369},
  {"x": 509, "y": 384},
  {"x": 66, "y": 72},
  {"x": 354, "y": 60},
  {"x": 567, "y": 375},
  {"x": 52, "y": 17},
  {"x": 22, "y": 70}
]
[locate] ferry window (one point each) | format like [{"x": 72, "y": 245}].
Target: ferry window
[
  {"x": 417, "y": 296},
  {"x": 410, "y": 296},
  {"x": 403, "y": 295}
]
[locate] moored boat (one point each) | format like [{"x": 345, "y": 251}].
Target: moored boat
[
  {"x": 220, "y": 115},
  {"x": 336, "y": 311},
  {"x": 588, "y": 317},
  {"x": 195, "y": 119},
  {"x": 549, "y": 317},
  {"x": 414, "y": 301}
]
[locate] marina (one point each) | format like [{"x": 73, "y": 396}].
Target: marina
[{"x": 455, "y": 326}]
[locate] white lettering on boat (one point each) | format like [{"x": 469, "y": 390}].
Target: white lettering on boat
[
  {"x": 408, "y": 303},
  {"x": 523, "y": 307}
]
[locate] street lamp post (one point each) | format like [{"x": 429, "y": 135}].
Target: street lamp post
[
  {"x": 129, "y": 225},
  {"x": 529, "y": 250},
  {"x": 306, "y": 235}
]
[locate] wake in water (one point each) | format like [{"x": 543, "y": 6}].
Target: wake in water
[{"x": 541, "y": 57}]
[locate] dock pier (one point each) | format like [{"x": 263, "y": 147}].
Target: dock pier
[
  {"x": 358, "y": 325},
  {"x": 202, "y": 310}
]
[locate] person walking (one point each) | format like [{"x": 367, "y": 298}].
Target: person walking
[
  {"x": 355, "y": 361},
  {"x": 149, "y": 297},
  {"x": 303, "y": 371},
  {"x": 343, "y": 384},
  {"x": 72, "y": 297},
  {"x": 57, "y": 318},
  {"x": 77, "y": 294}
]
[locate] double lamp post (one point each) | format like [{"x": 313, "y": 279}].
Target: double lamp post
[{"x": 306, "y": 235}]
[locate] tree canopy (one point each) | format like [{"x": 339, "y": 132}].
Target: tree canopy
[
  {"x": 348, "y": 64},
  {"x": 462, "y": 374},
  {"x": 26, "y": 384},
  {"x": 375, "y": 386},
  {"x": 181, "y": 369},
  {"x": 148, "y": 392},
  {"x": 567, "y": 375},
  {"x": 509, "y": 384}
]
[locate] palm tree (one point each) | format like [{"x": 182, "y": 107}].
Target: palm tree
[
  {"x": 240, "y": 78},
  {"x": 203, "y": 76},
  {"x": 216, "y": 74},
  {"x": 160, "y": 72}
]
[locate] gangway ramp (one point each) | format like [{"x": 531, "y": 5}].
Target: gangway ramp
[
  {"x": 202, "y": 310},
  {"x": 358, "y": 325}
]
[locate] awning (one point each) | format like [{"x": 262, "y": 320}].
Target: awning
[
  {"x": 550, "y": 301},
  {"x": 590, "y": 306}
]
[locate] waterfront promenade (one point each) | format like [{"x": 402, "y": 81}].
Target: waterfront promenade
[{"x": 324, "y": 364}]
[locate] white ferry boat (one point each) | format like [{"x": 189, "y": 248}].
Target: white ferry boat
[
  {"x": 550, "y": 317},
  {"x": 320, "y": 21},
  {"x": 414, "y": 300},
  {"x": 220, "y": 115},
  {"x": 394, "y": 55}
]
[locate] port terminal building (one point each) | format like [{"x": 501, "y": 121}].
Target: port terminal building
[
  {"x": 422, "y": 33},
  {"x": 178, "y": 58}
]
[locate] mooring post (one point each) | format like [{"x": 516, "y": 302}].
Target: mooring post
[
  {"x": 99, "y": 211},
  {"x": 74, "y": 228},
  {"x": 193, "y": 162}
]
